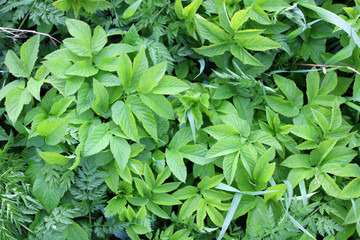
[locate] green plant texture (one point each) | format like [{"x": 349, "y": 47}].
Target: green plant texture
[{"x": 203, "y": 119}]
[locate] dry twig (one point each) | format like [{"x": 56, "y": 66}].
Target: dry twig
[{"x": 21, "y": 33}]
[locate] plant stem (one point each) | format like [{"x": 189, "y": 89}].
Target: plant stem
[{"x": 325, "y": 66}]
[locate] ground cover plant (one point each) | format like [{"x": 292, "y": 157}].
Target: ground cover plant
[{"x": 204, "y": 119}]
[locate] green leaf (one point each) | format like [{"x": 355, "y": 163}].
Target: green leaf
[
  {"x": 34, "y": 87},
  {"x": 4, "y": 90},
  {"x": 76, "y": 232},
  {"x": 312, "y": 85},
  {"x": 77, "y": 46},
  {"x": 334, "y": 19},
  {"x": 98, "y": 40},
  {"x": 222, "y": 131},
  {"x": 263, "y": 170},
  {"x": 273, "y": 5},
  {"x": 53, "y": 130},
  {"x": 336, "y": 118},
  {"x": 181, "y": 138},
  {"x": 159, "y": 104},
  {"x": 82, "y": 69},
  {"x": 15, "y": 65},
  {"x": 48, "y": 194},
  {"x": 125, "y": 70},
  {"x": 58, "y": 108},
  {"x": 190, "y": 10},
  {"x": 259, "y": 15},
  {"x": 297, "y": 161},
  {"x": 324, "y": 148},
  {"x": 321, "y": 120},
  {"x": 224, "y": 18},
  {"x": 244, "y": 55},
  {"x": 237, "y": 123},
  {"x": 54, "y": 158},
  {"x": 144, "y": 114},
  {"x": 97, "y": 140},
  {"x": 260, "y": 43},
  {"x": 101, "y": 103},
  {"x": 176, "y": 164},
  {"x": 151, "y": 77},
  {"x": 28, "y": 52},
  {"x": 210, "y": 182},
  {"x": 195, "y": 153},
  {"x": 140, "y": 64},
  {"x": 211, "y": 31},
  {"x": 164, "y": 199},
  {"x": 329, "y": 83},
  {"x": 329, "y": 185},
  {"x": 289, "y": 88},
  {"x": 224, "y": 147},
  {"x": 121, "y": 150},
  {"x": 214, "y": 49},
  {"x": 169, "y": 85},
  {"x": 215, "y": 216},
  {"x": 240, "y": 17},
  {"x": 230, "y": 164},
  {"x": 189, "y": 206},
  {"x": 129, "y": 12},
  {"x": 84, "y": 98},
  {"x": 351, "y": 190},
  {"x": 16, "y": 98},
  {"x": 155, "y": 209},
  {"x": 79, "y": 29},
  {"x": 305, "y": 131},
  {"x": 122, "y": 116}
]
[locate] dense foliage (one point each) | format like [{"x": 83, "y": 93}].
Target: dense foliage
[{"x": 159, "y": 119}]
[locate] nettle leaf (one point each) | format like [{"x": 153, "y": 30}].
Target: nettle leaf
[
  {"x": 176, "y": 164},
  {"x": 151, "y": 77},
  {"x": 53, "y": 130},
  {"x": 122, "y": 116},
  {"x": 54, "y": 158},
  {"x": 16, "y": 98},
  {"x": 291, "y": 106},
  {"x": 121, "y": 150},
  {"x": 97, "y": 140}
]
